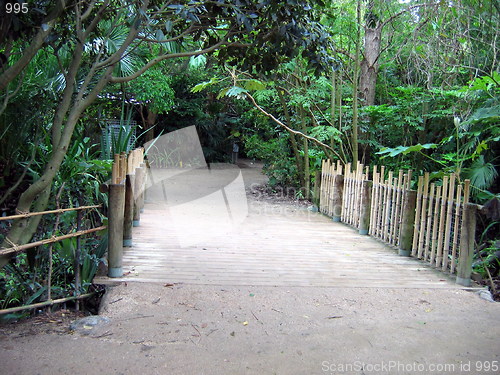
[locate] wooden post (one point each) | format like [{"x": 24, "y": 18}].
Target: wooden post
[
  {"x": 338, "y": 191},
  {"x": 366, "y": 202},
  {"x": 467, "y": 235},
  {"x": 115, "y": 229},
  {"x": 138, "y": 197},
  {"x": 408, "y": 223},
  {"x": 128, "y": 212}
]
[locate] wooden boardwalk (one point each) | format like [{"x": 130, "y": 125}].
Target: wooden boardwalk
[{"x": 275, "y": 244}]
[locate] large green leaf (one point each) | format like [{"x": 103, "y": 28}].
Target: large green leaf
[{"x": 391, "y": 152}]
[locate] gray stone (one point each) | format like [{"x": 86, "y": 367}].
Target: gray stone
[
  {"x": 89, "y": 324},
  {"x": 486, "y": 295}
]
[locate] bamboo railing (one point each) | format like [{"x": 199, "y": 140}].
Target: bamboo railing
[
  {"x": 428, "y": 224},
  {"x": 15, "y": 248}
]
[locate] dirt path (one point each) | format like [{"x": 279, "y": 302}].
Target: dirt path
[{"x": 164, "y": 328}]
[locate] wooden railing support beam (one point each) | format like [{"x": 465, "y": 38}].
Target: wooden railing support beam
[
  {"x": 407, "y": 223},
  {"x": 116, "y": 207},
  {"x": 467, "y": 236},
  {"x": 366, "y": 204},
  {"x": 338, "y": 192}
]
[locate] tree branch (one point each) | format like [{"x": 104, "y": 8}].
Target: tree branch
[
  {"x": 169, "y": 56},
  {"x": 296, "y": 132}
]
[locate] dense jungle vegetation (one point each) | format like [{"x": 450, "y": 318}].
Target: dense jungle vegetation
[{"x": 407, "y": 84}]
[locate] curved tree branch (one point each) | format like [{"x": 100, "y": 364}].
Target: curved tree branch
[{"x": 296, "y": 132}]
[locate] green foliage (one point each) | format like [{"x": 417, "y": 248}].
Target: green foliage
[
  {"x": 280, "y": 169},
  {"x": 153, "y": 88}
]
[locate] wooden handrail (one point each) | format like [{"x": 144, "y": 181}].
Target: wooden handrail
[
  {"x": 59, "y": 211},
  {"x": 16, "y": 249}
]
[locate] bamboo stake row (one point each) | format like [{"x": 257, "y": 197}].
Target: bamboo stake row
[
  {"x": 438, "y": 216},
  {"x": 426, "y": 223},
  {"x": 388, "y": 197},
  {"x": 327, "y": 190}
]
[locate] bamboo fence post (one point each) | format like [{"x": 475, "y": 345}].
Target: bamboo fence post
[
  {"x": 428, "y": 227},
  {"x": 115, "y": 172},
  {"x": 399, "y": 206},
  {"x": 326, "y": 204},
  {"x": 442, "y": 218},
  {"x": 115, "y": 229},
  {"x": 322, "y": 186},
  {"x": 366, "y": 201},
  {"x": 423, "y": 216},
  {"x": 388, "y": 207},
  {"x": 408, "y": 223},
  {"x": 374, "y": 201},
  {"x": 381, "y": 202},
  {"x": 464, "y": 269},
  {"x": 435, "y": 225},
  {"x": 456, "y": 229},
  {"x": 449, "y": 217},
  {"x": 414, "y": 247},
  {"x": 345, "y": 193},
  {"x": 331, "y": 177}
]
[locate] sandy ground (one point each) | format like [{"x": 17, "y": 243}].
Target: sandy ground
[
  {"x": 210, "y": 329},
  {"x": 192, "y": 329}
]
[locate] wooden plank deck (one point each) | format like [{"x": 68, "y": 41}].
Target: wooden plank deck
[{"x": 275, "y": 245}]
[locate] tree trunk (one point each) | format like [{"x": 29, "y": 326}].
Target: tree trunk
[
  {"x": 355, "y": 91},
  {"x": 369, "y": 70},
  {"x": 369, "y": 64},
  {"x": 150, "y": 122}
]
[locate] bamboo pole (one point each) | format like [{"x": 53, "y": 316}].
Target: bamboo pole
[
  {"x": 115, "y": 173},
  {"x": 322, "y": 187},
  {"x": 345, "y": 193},
  {"x": 414, "y": 247},
  {"x": 381, "y": 202},
  {"x": 456, "y": 229},
  {"x": 428, "y": 227},
  {"x": 330, "y": 174},
  {"x": 397, "y": 208},
  {"x": 18, "y": 248},
  {"x": 374, "y": 200},
  {"x": 387, "y": 218},
  {"x": 467, "y": 235},
  {"x": 423, "y": 216},
  {"x": 449, "y": 217},
  {"x": 435, "y": 225},
  {"x": 46, "y": 303},
  {"x": 58, "y": 211},
  {"x": 442, "y": 218}
]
